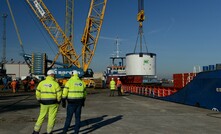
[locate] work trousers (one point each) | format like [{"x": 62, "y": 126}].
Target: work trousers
[
  {"x": 119, "y": 91},
  {"x": 52, "y": 113},
  {"x": 112, "y": 92},
  {"x": 71, "y": 109}
]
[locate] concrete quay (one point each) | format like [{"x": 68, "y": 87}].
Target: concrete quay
[{"x": 128, "y": 114}]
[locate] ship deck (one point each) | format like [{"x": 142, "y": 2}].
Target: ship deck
[{"x": 127, "y": 114}]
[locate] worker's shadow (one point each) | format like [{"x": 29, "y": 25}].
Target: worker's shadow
[
  {"x": 97, "y": 122},
  {"x": 101, "y": 124},
  {"x": 84, "y": 123}
]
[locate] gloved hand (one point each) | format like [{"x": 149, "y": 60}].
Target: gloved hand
[
  {"x": 39, "y": 101},
  {"x": 83, "y": 102},
  {"x": 63, "y": 104}
]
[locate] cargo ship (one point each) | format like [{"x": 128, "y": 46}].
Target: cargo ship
[
  {"x": 202, "y": 89},
  {"x": 134, "y": 68},
  {"x": 117, "y": 67},
  {"x": 138, "y": 76}
]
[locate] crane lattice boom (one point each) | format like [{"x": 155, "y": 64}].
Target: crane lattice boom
[
  {"x": 92, "y": 31},
  {"x": 90, "y": 35},
  {"x": 54, "y": 30}
]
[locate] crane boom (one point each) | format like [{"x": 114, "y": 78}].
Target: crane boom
[
  {"x": 54, "y": 30},
  {"x": 92, "y": 31},
  {"x": 26, "y": 56},
  {"x": 69, "y": 23},
  {"x": 69, "y": 19},
  {"x": 89, "y": 38}
]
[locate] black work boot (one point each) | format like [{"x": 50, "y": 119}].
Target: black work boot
[{"x": 35, "y": 132}]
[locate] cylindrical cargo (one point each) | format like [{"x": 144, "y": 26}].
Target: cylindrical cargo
[{"x": 141, "y": 64}]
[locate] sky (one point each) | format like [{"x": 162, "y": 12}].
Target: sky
[{"x": 182, "y": 33}]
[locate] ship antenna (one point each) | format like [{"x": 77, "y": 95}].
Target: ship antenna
[{"x": 117, "y": 51}]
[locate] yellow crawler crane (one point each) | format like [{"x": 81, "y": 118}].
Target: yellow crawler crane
[{"x": 64, "y": 43}]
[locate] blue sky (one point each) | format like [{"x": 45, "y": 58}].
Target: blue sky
[{"x": 183, "y": 33}]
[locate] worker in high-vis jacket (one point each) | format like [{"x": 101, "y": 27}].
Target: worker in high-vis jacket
[
  {"x": 75, "y": 94},
  {"x": 48, "y": 93},
  {"x": 119, "y": 84},
  {"x": 112, "y": 87}
]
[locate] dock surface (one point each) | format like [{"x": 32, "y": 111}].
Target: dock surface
[{"x": 127, "y": 114}]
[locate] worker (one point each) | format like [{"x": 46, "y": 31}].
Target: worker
[
  {"x": 32, "y": 84},
  {"x": 64, "y": 81},
  {"x": 119, "y": 84},
  {"x": 25, "y": 84},
  {"x": 5, "y": 82},
  {"x": 48, "y": 93},
  {"x": 13, "y": 85},
  {"x": 75, "y": 94},
  {"x": 112, "y": 87}
]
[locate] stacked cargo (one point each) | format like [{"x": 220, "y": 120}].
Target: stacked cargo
[
  {"x": 182, "y": 79},
  {"x": 98, "y": 83},
  {"x": 39, "y": 64}
]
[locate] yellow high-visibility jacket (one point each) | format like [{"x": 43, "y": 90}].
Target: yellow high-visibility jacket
[
  {"x": 48, "y": 91},
  {"x": 74, "y": 90},
  {"x": 112, "y": 85}
]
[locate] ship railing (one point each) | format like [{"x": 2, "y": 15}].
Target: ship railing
[{"x": 150, "y": 91}]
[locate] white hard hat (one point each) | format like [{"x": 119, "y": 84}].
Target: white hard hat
[
  {"x": 50, "y": 72},
  {"x": 112, "y": 78},
  {"x": 74, "y": 72},
  {"x": 118, "y": 78}
]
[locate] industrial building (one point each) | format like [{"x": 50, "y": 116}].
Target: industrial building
[{"x": 17, "y": 69}]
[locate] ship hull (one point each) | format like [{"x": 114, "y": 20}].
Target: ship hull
[{"x": 204, "y": 91}]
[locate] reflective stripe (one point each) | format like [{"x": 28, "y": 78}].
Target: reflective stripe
[
  {"x": 58, "y": 91},
  {"x": 48, "y": 92},
  {"x": 50, "y": 99},
  {"x": 75, "y": 98},
  {"x": 76, "y": 92}
]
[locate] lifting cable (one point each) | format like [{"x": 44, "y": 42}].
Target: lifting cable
[{"x": 140, "y": 33}]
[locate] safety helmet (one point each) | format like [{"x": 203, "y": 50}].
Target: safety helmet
[
  {"x": 112, "y": 78},
  {"x": 50, "y": 72},
  {"x": 74, "y": 72},
  {"x": 118, "y": 78}
]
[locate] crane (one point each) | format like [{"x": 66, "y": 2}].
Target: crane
[
  {"x": 64, "y": 44},
  {"x": 140, "y": 19},
  {"x": 2, "y": 69},
  {"x": 69, "y": 22},
  {"x": 69, "y": 19},
  {"x": 4, "y": 16},
  {"x": 27, "y": 57}
]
